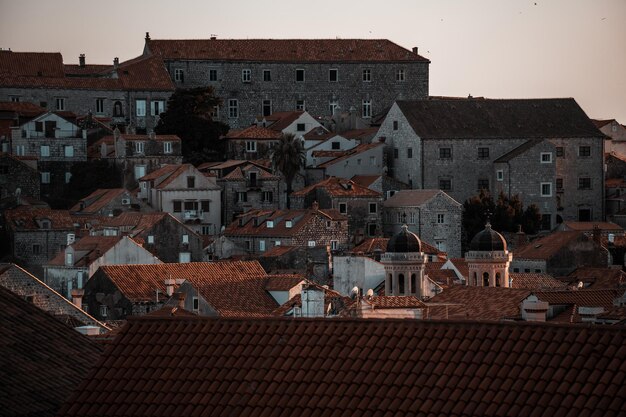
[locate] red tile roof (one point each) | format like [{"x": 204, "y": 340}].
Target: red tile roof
[
  {"x": 42, "y": 360},
  {"x": 589, "y": 226},
  {"x": 254, "y": 132},
  {"x": 299, "y": 219},
  {"x": 546, "y": 247},
  {"x": 282, "y": 120},
  {"x": 87, "y": 249},
  {"x": 26, "y": 218},
  {"x": 597, "y": 278},
  {"x": 283, "y": 50},
  {"x": 534, "y": 281},
  {"x": 581, "y": 298},
  {"x": 188, "y": 366},
  {"x": 483, "y": 303},
  {"x": 365, "y": 180},
  {"x": 277, "y": 251},
  {"x": 22, "y": 108},
  {"x": 31, "y": 64},
  {"x": 394, "y": 301},
  {"x": 461, "y": 266},
  {"x": 234, "y": 289},
  {"x": 334, "y": 303},
  {"x": 338, "y": 187},
  {"x": 283, "y": 282},
  {"x": 373, "y": 244},
  {"x": 97, "y": 200},
  {"x": 350, "y": 153},
  {"x": 366, "y": 133}
]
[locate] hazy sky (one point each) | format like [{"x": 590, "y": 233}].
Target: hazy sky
[{"x": 491, "y": 48}]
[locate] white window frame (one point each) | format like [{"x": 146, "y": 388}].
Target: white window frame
[
  {"x": 140, "y": 147},
  {"x": 250, "y": 146},
  {"x": 45, "y": 178},
  {"x": 411, "y": 217},
  {"x": 548, "y": 159},
  {"x": 140, "y": 108},
  {"x": 499, "y": 175},
  {"x": 104, "y": 310},
  {"x": 366, "y": 106},
  {"x": 334, "y": 244},
  {"x": 311, "y": 244},
  {"x": 68, "y": 151},
  {"x": 179, "y": 74},
  {"x": 157, "y": 107},
  {"x": 150, "y": 239},
  {"x": 367, "y": 75},
  {"x": 541, "y": 189},
  {"x": 441, "y": 218},
  {"x": 336, "y": 72},
  {"x": 261, "y": 246},
  {"x": 138, "y": 169},
  {"x": 20, "y": 150},
  {"x": 400, "y": 75},
  {"x": 246, "y": 75},
  {"x": 184, "y": 257},
  {"x": 185, "y": 239},
  {"x": 167, "y": 147},
  {"x": 233, "y": 108},
  {"x": 44, "y": 151},
  {"x": 332, "y": 106},
  {"x": 99, "y": 106},
  {"x": 269, "y": 224},
  {"x": 60, "y": 103},
  {"x": 277, "y": 243},
  {"x": 300, "y": 105}
]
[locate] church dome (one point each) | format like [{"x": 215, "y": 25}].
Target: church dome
[
  {"x": 404, "y": 241},
  {"x": 488, "y": 241}
]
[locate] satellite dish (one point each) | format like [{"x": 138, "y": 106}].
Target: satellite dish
[
  {"x": 18, "y": 192},
  {"x": 580, "y": 285},
  {"x": 370, "y": 293}
]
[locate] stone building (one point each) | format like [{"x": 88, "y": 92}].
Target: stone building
[
  {"x": 134, "y": 92},
  {"x": 262, "y": 76},
  {"x": 488, "y": 260},
  {"x": 615, "y": 140},
  {"x": 361, "y": 205},
  {"x": 18, "y": 174},
  {"x": 463, "y": 145},
  {"x": 110, "y": 202},
  {"x": 365, "y": 159},
  {"x": 431, "y": 214}
]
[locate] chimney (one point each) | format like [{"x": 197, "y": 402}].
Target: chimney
[
  {"x": 213, "y": 37},
  {"x": 169, "y": 286},
  {"x": 415, "y": 50},
  {"x": 315, "y": 206},
  {"x": 152, "y": 135},
  {"x": 81, "y": 60},
  {"x": 181, "y": 300},
  {"x": 534, "y": 310},
  {"x": 147, "y": 36},
  {"x": 77, "y": 297},
  {"x": 116, "y": 62},
  {"x": 597, "y": 236}
]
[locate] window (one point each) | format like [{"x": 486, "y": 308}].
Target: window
[
  {"x": 300, "y": 105},
  {"x": 559, "y": 184},
  {"x": 205, "y": 205},
  {"x": 367, "y": 75},
  {"x": 411, "y": 217},
  {"x": 372, "y": 161},
  {"x": 212, "y": 75},
  {"x": 560, "y": 153},
  {"x": 267, "y": 107},
  {"x": 104, "y": 311},
  {"x": 395, "y": 125},
  {"x": 196, "y": 304},
  {"x": 400, "y": 75},
  {"x": 333, "y": 105},
  {"x": 367, "y": 109},
  {"x": 277, "y": 243},
  {"x": 140, "y": 171},
  {"x": 441, "y": 218},
  {"x": 158, "y": 107},
  {"x": 373, "y": 208},
  {"x": 150, "y": 239},
  {"x": 117, "y": 109},
  {"x": 20, "y": 150},
  {"x": 358, "y": 161},
  {"x": 584, "y": 151},
  {"x": 167, "y": 147},
  {"x": 396, "y": 153},
  {"x": 584, "y": 183},
  {"x": 267, "y": 197},
  {"x": 269, "y": 224},
  {"x": 185, "y": 239},
  {"x": 246, "y": 75},
  {"x": 267, "y": 75},
  {"x": 36, "y": 249},
  {"x": 45, "y": 150},
  {"x": 242, "y": 197},
  {"x": 250, "y": 146},
  {"x": 546, "y": 157},
  {"x": 206, "y": 230},
  {"x": 301, "y": 127},
  {"x": 288, "y": 224},
  {"x": 45, "y": 178},
  {"x": 546, "y": 224},
  {"x": 334, "y": 244},
  {"x": 546, "y": 189},
  {"x": 99, "y": 105},
  {"x": 445, "y": 153},
  {"x": 60, "y": 102},
  {"x": 140, "y": 147},
  {"x": 440, "y": 245},
  {"x": 15, "y": 99},
  {"x": 483, "y": 184},
  {"x": 333, "y": 75},
  {"x": 179, "y": 75},
  {"x": 300, "y": 75},
  {"x": 191, "y": 182},
  {"x": 261, "y": 246},
  {"x": 184, "y": 257},
  {"x": 499, "y": 175},
  {"x": 68, "y": 151},
  {"x": 343, "y": 208},
  {"x": 311, "y": 243},
  {"x": 68, "y": 177},
  {"x": 178, "y": 206},
  {"x": 233, "y": 108},
  {"x": 409, "y": 153},
  {"x": 483, "y": 153},
  {"x": 445, "y": 184},
  {"x": 38, "y": 126},
  {"x": 69, "y": 258},
  {"x": 140, "y": 108},
  {"x": 335, "y": 146}
]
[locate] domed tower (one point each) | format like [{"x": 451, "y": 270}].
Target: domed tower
[
  {"x": 404, "y": 264},
  {"x": 488, "y": 260}
]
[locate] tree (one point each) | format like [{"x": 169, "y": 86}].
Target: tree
[
  {"x": 188, "y": 115},
  {"x": 86, "y": 178},
  {"x": 288, "y": 157},
  {"x": 476, "y": 210}
]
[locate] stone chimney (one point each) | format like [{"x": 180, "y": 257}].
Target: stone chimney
[
  {"x": 415, "y": 50},
  {"x": 169, "y": 286},
  {"x": 147, "y": 36},
  {"x": 181, "y": 300},
  {"x": 116, "y": 62},
  {"x": 81, "y": 60},
  {"x": 315, "y": 206},
  {"x": 77, "y": 297},
  {"x": 534, "y": 310}
]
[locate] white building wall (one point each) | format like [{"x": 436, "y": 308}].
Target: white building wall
[{"x": 356, "y": 271}]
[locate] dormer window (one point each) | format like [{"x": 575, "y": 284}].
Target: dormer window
[
  {"x": 185, "y": 239},
  {"x": 45, "y": 224},
  {"x": 69, "y": 258},
  {"x": 270, "y": 224},
  {"x": 150, "y": 240},
  {"x": 288, "y": 224}
]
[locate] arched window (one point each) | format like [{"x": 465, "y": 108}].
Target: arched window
[
  {"x": 390, "y": 284},
  {"x": 475, "y": 281},
  {"x": 497, "y": 279},
  {"x": 401, "y": 284},
  {"x": 117, "y": 109},
  {"x": 413, "y": 282},
  {"x": 486, "y": 279}
]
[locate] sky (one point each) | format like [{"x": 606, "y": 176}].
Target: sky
[{"x": 488, "y": 48}]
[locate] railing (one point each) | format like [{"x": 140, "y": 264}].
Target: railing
[
  {"x": 52, "y": 133},
  {"x": 192, "y": 214}
]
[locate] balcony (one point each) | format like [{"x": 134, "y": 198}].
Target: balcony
[{"x": 192, "y": 214}]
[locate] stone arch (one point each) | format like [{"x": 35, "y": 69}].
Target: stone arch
[
  {"x": 485, "y": 279},
  {"x": 413, "y": 283},
  {"x": 400, "y": 284},
  {"x": 475, "y": 282},
  {"x": 498, "y": 280},
  {"x": 390, "y": 278}
]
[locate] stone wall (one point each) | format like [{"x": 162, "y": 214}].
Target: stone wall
[{"x": 15, "y": 174}]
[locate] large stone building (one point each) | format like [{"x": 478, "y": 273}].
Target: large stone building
[
  {"x": 546, "y": 150},
  {"x": 260, "y": 76}
]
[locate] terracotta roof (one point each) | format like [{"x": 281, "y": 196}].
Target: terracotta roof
[
  {"x": 534, "y": 281},
  {"x": 283, "y": 50},
  {"x": 95, "y": 201},
  {"x": 498, "y": 118},
  {"x": 334, "y": 303},
  {"x": 365, "y": 180},
  {"x": 483, "y": 303},
  {"x": 614, "y": 182},
  {"x": 42, "y": 360},
  {"x": 617, "y": 155},
  {"x": 326, "y": 153},
  {"x": 22, "y": 108},
  {"x": 589, "y": 226},
  {"x": 87, "y": 69},
  {"x": 394, "y": 301},
  {"x": 461, "y": 266},
  {"x": 164, "y": 170},
  {"x": 283, "y": 282},
  {"x": 277, "y": 251},
  {"x": 377, "y": 367},
  {"x": 239, "y": 172},
  {"x": 546, "y": 247},
  {"x": 365, "y": 133},
  {"x": 234, "y": 289},
  {"x": 86, "y": 250},
  {"x": 582, "y": 298},
  {"x": 299, "y": 219},
  {"x": 597, "y": 278},
  {"x": 26, "y": 217},
  {"x": 31, "y": 64},
  {"x": 404, "y": 198},
  {"x": 136, "y": 220},
  {"x": 445, "y": 277},
  {"x": 338, "y": 187},
  {"x": 282, "y": 120},
  {"x": 354, "y": 151},
  {"x": 254, "y": 132},
  {"x": 371, "y": 245}
]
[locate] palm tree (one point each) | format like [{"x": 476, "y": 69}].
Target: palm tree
[{"x": 288, "y": 157}]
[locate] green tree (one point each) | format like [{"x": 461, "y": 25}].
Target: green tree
[
  {"x": 86, "y": 178},
  {"x": 476, "y": 210},
  {"x": 288, "y": 157},
  {"x": 188, "y": 115}
]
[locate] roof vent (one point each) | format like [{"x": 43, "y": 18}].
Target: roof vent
[
  {"x": 81, "y": 60},
  {"x": 415, "y": 50}
]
